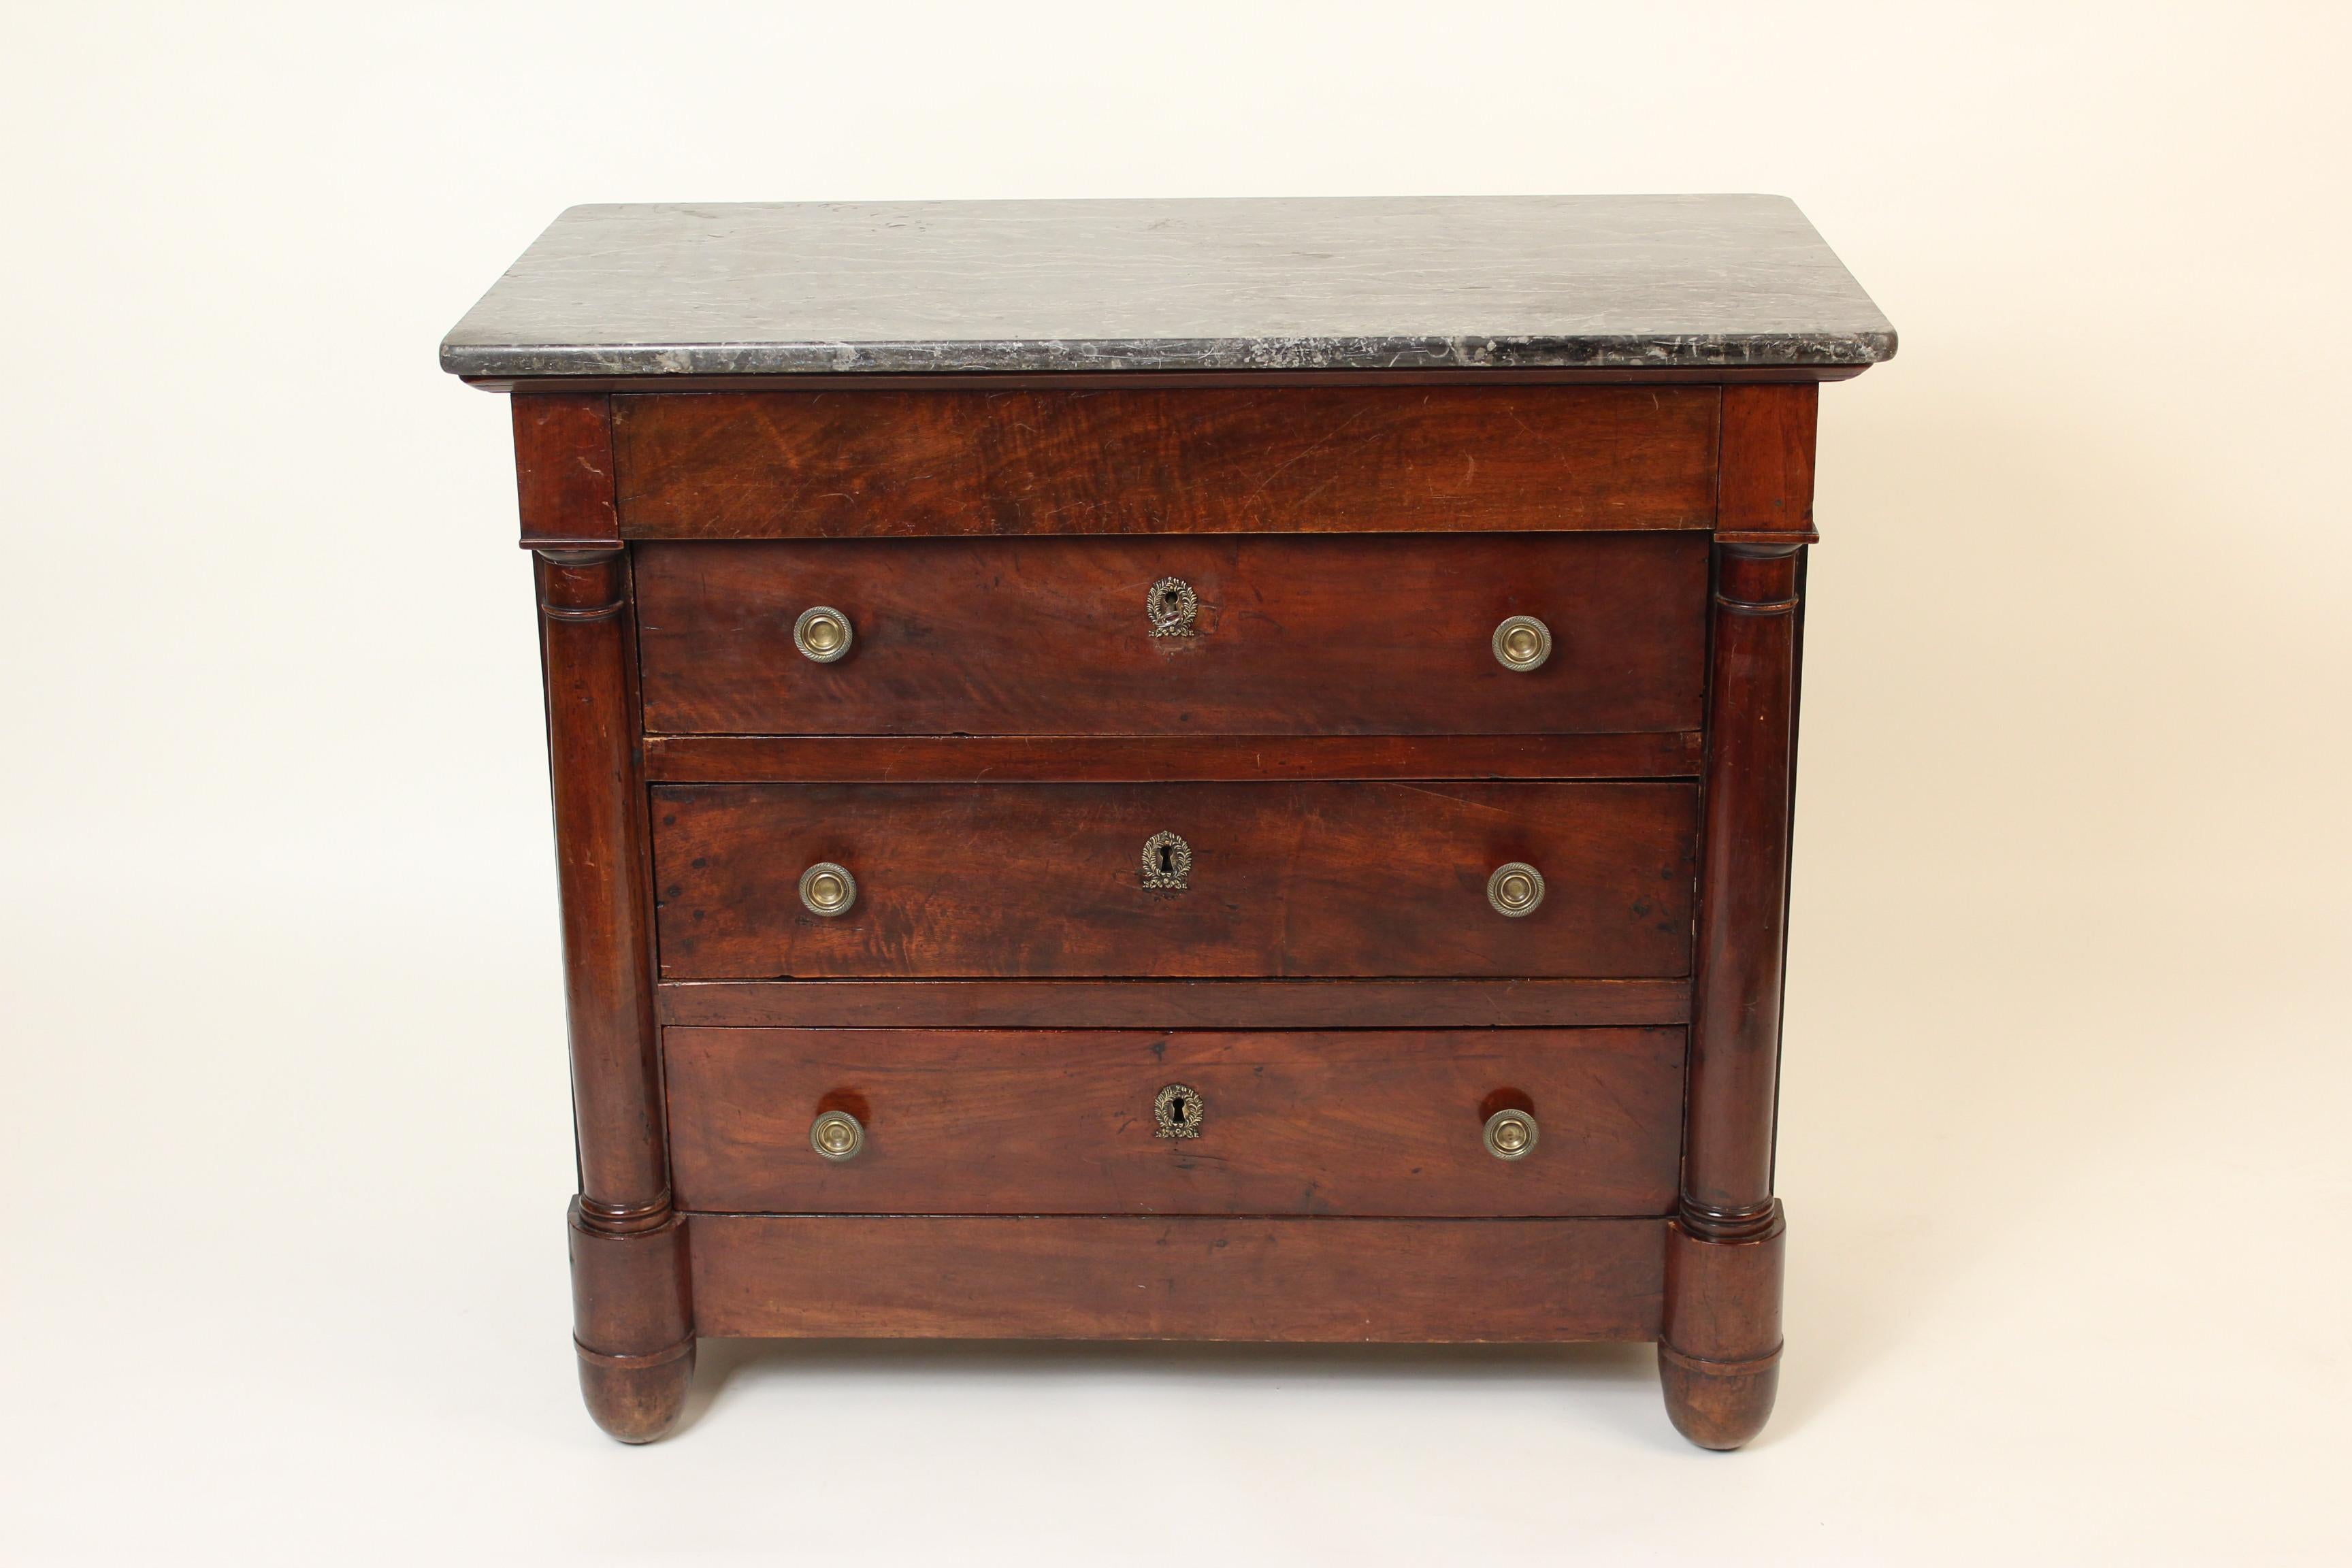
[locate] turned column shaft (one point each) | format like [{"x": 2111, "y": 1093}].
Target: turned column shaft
[
  {"x": 1743, "y": 891},
  {"x": 1720, "y": 1335},
  {"x": 599, "y": 832},
  {"x": 631, "y": 1321}
]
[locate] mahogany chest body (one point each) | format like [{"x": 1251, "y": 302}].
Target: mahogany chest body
[{"x": 1175, "y": 770}]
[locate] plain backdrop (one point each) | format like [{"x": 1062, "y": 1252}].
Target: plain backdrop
[{"x": 286, "y": 1137}]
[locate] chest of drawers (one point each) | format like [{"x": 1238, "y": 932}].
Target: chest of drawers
[{"x": 1189, "y": 770}]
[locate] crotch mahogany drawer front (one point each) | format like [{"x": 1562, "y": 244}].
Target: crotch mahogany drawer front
[
  {"x": 832, "y": 464},
  {"x": 1268, "y": 635},
  {"x": 759, "y": 881},
  {"x": 1080, "y": 1121}
]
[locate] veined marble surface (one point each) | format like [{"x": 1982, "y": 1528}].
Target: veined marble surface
[{"x": 1326, "y": 283}]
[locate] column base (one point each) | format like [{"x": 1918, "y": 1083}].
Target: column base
[
  {"x": 631, "y": 1321},
  {"x": 1718, "y": 1404},
  {"x": 636, "y": 1398},
  {"x": 1719, "y": 1357}
]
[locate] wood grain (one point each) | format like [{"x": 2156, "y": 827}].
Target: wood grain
[
  {"x": 1362, "y": 1122},
  {"x": 1163, "y": 759},
  {"x": 1288, "y": 880},
  {"x": 1719, "y": 1346},
  {"x": 563, "y": 470},
  {"x": 1129, "y": 1278},
  {"x": 1744, "y": 901},
  {"x": 1386, "y": 635},
  {"x": 1766, "y": 486},
  {"x": 822, "y": 465},
  {"x": 1172, "y": 1003}
]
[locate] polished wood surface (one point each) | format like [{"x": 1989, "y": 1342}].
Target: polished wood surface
[
  {"x": 631, "y": 1320},
  {"x": 1365, "y": 1122},
  {"x": 1287, "y": 880},
  {"x": 1347, "y": 763},
  {"x": 1718, "y": 1360},
  {"x": 1172, "y": 1003},
  {"x": 1744, "y": 871},
  {"x": 1163, "y": 759},
  {"x": 563, "y": 470},
  {"x": 824, "y": 465},
  {"x": 1132, "y": 1278},
  {"x": 1719, "y": 1346},
  {"x": 600, "y": 843},
  {"x": 1336, "y": 636},
  {"x": 1767, "y": 464}
]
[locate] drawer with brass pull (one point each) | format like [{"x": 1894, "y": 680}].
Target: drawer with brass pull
[
  {"x": 1287, "y": 634},
  {"x": 759, "y": 881},
  {"x": 1488, "y": 1121}
]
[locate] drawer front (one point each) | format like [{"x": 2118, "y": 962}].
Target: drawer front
[
  {"x": 835, "y": 465},
  {"x": 1278, "y": 880},
  {"x": 1347, "y": 1123},
  {"x": 1289, "y": 635}
]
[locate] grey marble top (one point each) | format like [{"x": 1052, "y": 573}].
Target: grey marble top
[{"x": 1328, "y": 283}]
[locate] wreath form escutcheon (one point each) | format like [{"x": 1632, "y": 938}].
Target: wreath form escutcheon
[
  {"x": 1171, "y": 604},
  {"x": 1167, "y": 864},
  {"x": 1178, "y": 1110}
]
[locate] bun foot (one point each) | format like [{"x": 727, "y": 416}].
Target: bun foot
[
  {"x": 1718, "y": 1404},
  {"x": 636, "y": 1398}
]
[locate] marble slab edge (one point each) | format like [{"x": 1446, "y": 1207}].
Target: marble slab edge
[{"x": 1643, "y": 351}]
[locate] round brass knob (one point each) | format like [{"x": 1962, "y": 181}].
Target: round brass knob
[
  {"x": 836, "y": 1136},
  {"x": 1516, "y": 890},
  {"x": 827, "y": 888},
  {"x": 822, "y": 633},
  {"x": 1522, "y": 643},
  {"x": 1511, "y": 1134}
]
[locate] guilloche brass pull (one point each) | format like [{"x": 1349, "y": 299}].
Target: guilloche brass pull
[
  {"x": 822, "y": 633},
  {"x": 1516, "y": 890},
  {"x": 837, "y": 1136},
  {"x": 1511, "y": 1134},
  {"x": 827, "y": 889},
  {"x": 1522, "y": 643}
]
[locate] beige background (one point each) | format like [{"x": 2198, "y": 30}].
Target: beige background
[{"x": 285, "y": 1136}]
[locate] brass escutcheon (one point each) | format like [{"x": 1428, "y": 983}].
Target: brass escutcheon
[
  {"x": 827, "y": 889},
  {"x": 1511, "y": 1134},
  {"x": 1515, "y": 890},
  {"x": 1167, "y": 864},
  {"x": 837, "y": 1136},
  {"x": 1522, "y": 643},
  {"x": 1171, "y": 604},
  {"x": 822, "y": 633},
  {"x": 1179, "y": 1110}
]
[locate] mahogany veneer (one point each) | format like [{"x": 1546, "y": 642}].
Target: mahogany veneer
[
  {"x": 1286, "y": 879},
  {"x": 1293, "y": 635},
  {"x": 1176, "y": 764},
  {"x": 1235, "y": 459},
  {"x": 1322, "y": 1122}
]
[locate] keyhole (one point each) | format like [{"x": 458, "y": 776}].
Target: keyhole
[
  {"x": 1183, "y": 1109},
  {"x": 1167, "y": 859}
]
